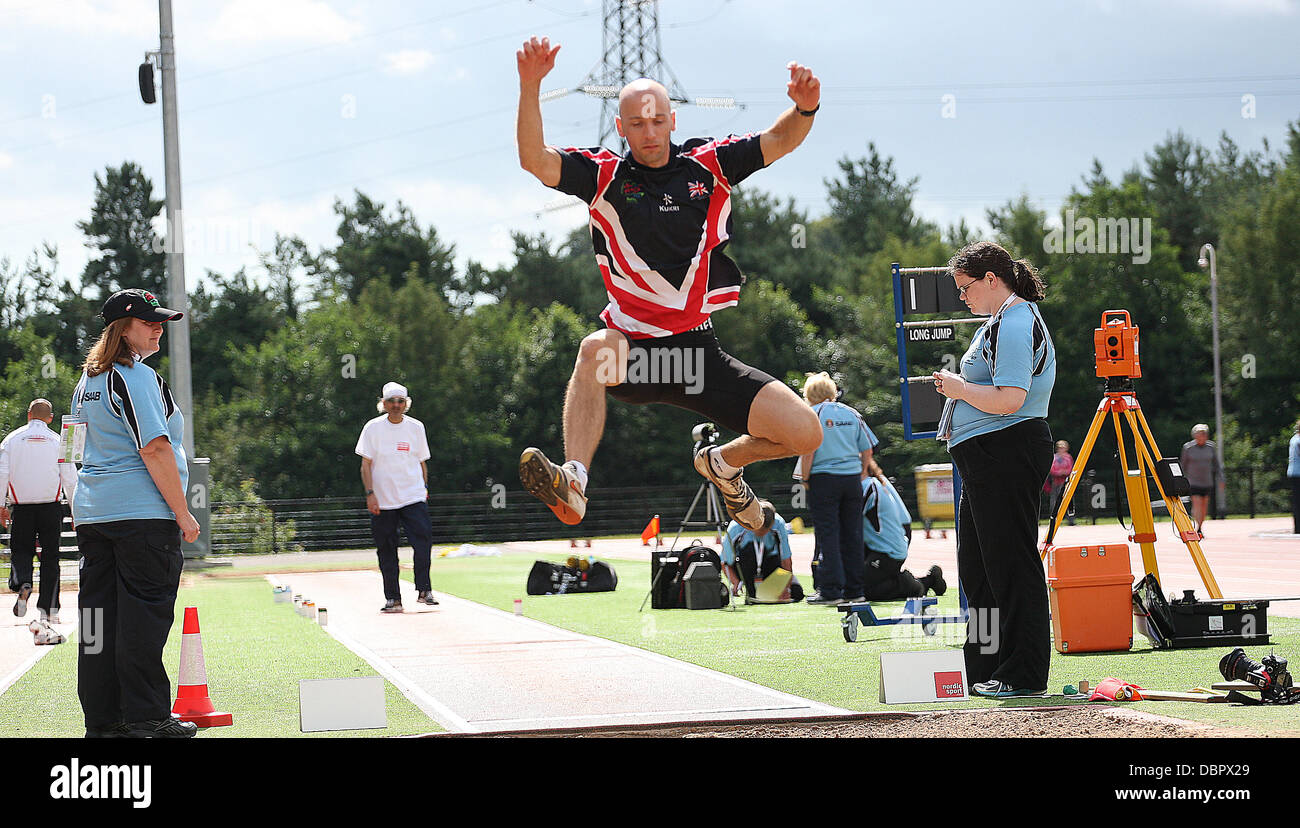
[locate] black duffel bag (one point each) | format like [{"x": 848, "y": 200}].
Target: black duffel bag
[{"x": 548, "y": 578}]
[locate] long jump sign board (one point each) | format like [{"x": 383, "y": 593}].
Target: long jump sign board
[{"x": 922, "y": 677}]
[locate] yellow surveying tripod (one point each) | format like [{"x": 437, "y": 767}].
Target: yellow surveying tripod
[{"x": 1116, "y": 344}]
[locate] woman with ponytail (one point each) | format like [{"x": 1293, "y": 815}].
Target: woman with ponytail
[{"x": 995, "y": 424}]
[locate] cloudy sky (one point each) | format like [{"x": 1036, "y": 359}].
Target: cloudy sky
[{"x": 286, "y": 105}]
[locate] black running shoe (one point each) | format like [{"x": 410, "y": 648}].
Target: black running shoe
[
  {"x": 169, "y": 728},
  {"x": 426, "y": 597},
  {"x": 937, "y": 584}
]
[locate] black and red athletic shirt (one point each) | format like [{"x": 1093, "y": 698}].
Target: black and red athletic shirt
[{"x": 659, "y": 232}]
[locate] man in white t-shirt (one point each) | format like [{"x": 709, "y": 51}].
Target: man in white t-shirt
[{"x": 393, "y": 450}]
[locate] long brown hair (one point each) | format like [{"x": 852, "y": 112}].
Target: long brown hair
[
  {"x": 982, "y": 257},
  {"x": 109, "y": 348}
]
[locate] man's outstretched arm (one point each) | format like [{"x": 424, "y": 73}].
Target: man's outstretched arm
[
  {"x": 535, "y": 60},
  {"x": 791, "y": 128}
]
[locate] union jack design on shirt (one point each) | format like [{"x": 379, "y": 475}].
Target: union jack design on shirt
[
  {"x": 662, "y": 259},
  {"x": 403, "y": 446}
]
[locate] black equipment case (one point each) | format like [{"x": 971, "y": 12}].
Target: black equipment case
[
  {"x": 1186, "y": 622},
  {"x": 676, "y": 582}
]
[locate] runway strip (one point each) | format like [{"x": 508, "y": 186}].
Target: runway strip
[{"x": 473, "y": 668}]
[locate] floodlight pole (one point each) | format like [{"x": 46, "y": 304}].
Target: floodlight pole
[
  {"x": 178, "y": 333},
  {"x": 1208, "y": 258}
]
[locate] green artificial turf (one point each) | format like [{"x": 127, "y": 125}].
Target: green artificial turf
[
  {"x": 800, "y": 649},
  {"x": 255, "y": 652}
]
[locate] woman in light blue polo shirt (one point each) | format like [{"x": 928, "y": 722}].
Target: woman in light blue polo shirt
[
  {"x": 834, "y": 477},
  {"x": 130, "y": 514},
  {"x": 995, "y": 423}
]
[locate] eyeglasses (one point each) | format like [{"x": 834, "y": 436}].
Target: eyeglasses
[{"x": 961, "y": 289}]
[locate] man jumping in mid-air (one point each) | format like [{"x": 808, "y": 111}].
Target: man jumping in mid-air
[{"x": 660, "y": 218}]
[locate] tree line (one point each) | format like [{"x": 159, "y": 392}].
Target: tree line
[{"x": 288, "y": 360}]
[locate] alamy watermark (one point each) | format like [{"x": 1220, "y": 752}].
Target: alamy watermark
[
  {"x": 668, "y": 365},
  {"x": 1105, "y": 235},
  {"x": 978, "y": 627}
]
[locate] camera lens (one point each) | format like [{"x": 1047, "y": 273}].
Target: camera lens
[{"x": 1112, "y": 341}]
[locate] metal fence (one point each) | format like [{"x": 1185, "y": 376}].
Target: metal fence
[{"x": 344, "y": 523}]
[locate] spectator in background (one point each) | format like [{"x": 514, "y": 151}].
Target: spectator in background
[
  {"x": 1201, "y": 470},
  {"x": 32, "y": 479},
  {"x": 1293, "y": 475},
  {"x": 751, "y": 556},
  {"x": 1062, "y": 465},
  {"x": 886, "y": 533},
  {"x": 833, "y": 475},
  {"x": 393, "y": 449}
]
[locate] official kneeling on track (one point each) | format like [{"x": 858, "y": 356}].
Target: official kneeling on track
[
  {"x": 886, "y": 533},
  {"x": 752, "y": 557}
]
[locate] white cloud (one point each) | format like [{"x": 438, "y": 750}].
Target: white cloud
[
  {"x": 303, "y": 20},
  {"x": 408, "y": 61},
  {"x": 103, "y": 17}
]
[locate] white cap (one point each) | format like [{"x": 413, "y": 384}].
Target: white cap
[{"x": 393, "y": 389}]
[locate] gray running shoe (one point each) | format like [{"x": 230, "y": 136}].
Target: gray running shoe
[
  {"x": 748, "y": 511},
  {"x": 391, "y": 606}
]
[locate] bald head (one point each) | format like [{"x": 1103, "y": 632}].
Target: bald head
[
  {"x": 643, "y": 98},
  {"x": 40, "y": 410},
  {"x": 646, "y": 120}
]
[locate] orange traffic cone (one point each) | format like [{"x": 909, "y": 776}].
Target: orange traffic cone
[{"x": 192, "y": 702}]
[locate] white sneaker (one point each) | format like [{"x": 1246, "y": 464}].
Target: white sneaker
[
  {"x": 556, "y": 486},
  {"x": 748, "y": 511},
  {"x": 43, "y": 633}
]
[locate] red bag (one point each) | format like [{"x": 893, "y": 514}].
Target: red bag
[{"x": 1113, "y": 689}]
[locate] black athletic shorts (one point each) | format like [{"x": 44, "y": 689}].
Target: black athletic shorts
[
  {"x": 1201, "y": 491},
  {"x": 690, "y": 370}
]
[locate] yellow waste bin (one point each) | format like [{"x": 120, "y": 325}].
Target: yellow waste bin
[{"x": 934, "y": 494}]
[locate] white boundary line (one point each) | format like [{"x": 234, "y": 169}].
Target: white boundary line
[
  {"x": 21, "y": 670},
  {"x": 430, "y": 706}
]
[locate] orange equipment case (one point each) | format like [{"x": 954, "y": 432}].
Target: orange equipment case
[{"x": 1091, "y": 593}]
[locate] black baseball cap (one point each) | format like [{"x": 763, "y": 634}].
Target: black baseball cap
[{"x": 138, "y": 303}]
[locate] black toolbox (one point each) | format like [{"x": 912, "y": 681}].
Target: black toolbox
[{"x": 1187, "y": 622}]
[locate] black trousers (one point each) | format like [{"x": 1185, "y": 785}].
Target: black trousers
[
  {"x": 130, "y": 571},
  {"x": 414, "y": 518},
  {"x": 1008, "y": 634},
  {"x": 886, "y": 580},
  {"x": 835, "y": 501},
  {"x": 32, "y": 520},
  {"x": 1295, "y": 502}
]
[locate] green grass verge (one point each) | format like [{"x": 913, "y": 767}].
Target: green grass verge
[
  {"x": 800, "y": 649},
  {"x": 255, "y": 652}
]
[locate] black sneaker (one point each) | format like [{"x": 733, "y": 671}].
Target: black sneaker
[
  {"x": 113, "y": 731},
  {"x": 169, "y": 728},
  {"x": 861, "y": 599},
  {"x": 426, "y": 597},
  {"x": 391, "y": 606},
  {"x": 20, "y": 606},
  {"x": 936, "y": 583}
]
